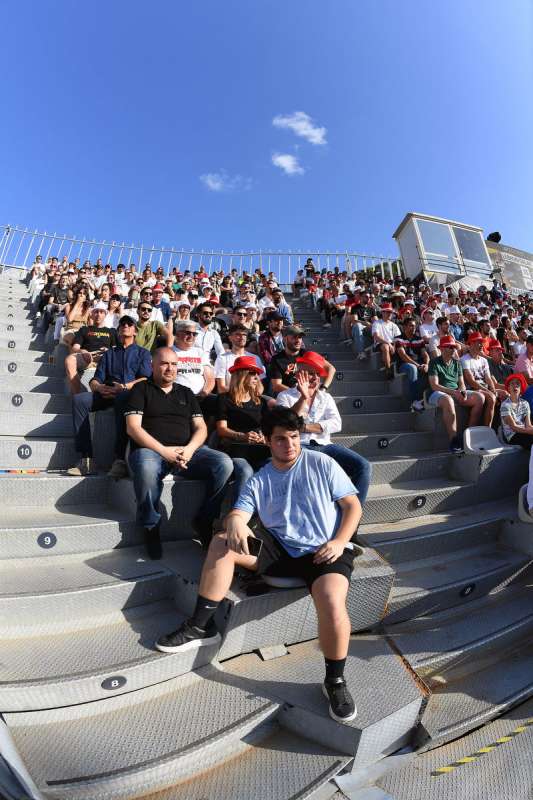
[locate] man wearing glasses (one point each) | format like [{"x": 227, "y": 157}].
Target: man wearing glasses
[
  {"x": 193, "y": 367},
  {"x": 150, "y": 330},
  {"x": 282, "y": 368},
  {"x": 119, "y": 369},
  {"x": 208, "y": 337}
]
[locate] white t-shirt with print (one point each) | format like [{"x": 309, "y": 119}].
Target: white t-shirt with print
[
  {"x": 478, "y": 367},
  {"x": 387, "y": 331},
  {"x": 191, "y": 365}
]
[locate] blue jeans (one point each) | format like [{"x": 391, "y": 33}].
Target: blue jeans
[
  {"x": 361, "y": 337},
  {"x": 358, "y": 469},
  {"x": 211, "y": 466},
  {"x": 82, "y": 405},
  {"x": 418, "y": 381}
]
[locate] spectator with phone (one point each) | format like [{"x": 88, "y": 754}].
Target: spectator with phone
[{"x": 307, "y": 512}]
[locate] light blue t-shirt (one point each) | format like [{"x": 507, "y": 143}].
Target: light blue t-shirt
[{"x": 298, "y": 506}]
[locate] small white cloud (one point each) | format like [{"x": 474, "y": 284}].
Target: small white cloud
[
  {"x": 288, "y": 163},
  {"x": 302, "y": 125},
  {"x": 223, "y": 182}
]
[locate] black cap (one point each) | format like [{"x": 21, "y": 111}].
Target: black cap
[
  {"x": 275, "y": 317},
  {"x": 127, "y": 320}
]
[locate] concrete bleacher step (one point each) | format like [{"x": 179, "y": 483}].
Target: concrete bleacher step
[
  {"x": 38, "y": 491},
  {"x": 385, "y": 444},
  {"x": 387, "y": 698},
  {"x": 35, "y": 402},
  {"x": 36, "y": 425},
  {"x": 392, "y": 422},
  {"x": 26, "y": 453},
  {"x": 28, "y": 356},
  {"x": 39, "y": 596},
  {"x": 256, "y": 616},
  {"x": 450, "y": 579},
  {"x": 466, "y": 702},
  {"x": 389, "y": 502},
  {"x": 20, "y": 382},
  {"x": 283, "y": 766},
  {"x": 104, "y": 656},
  {"x": 431, "y": 535},
  {"x": 433, "y": 465},
  {"x": 371, "y": 403},
  {"x": 68, "y": 529},
  {"x": 462, "y": 638},
  {"x": 96, "y": 750},
  {"x": 28, "y": 368}
]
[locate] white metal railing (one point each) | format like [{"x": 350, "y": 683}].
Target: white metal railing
[{"x": 20, "y": 246}]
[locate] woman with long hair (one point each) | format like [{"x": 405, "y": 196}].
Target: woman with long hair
[
  {"x": 239, "y": 414},
  {"x": 114, "y": 311},
  {"x": 76, "y": 313}
]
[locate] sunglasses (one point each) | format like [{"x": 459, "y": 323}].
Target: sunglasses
[
  {"x": 187, "y": 333},
  {"x": 240, "y": 314},
  {"x": 145, "y": 308}
]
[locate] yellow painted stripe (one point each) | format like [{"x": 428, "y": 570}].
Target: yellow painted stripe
[
  {"x": 520, "y": 729},
  {"x": 445, "y": 769},
  {"x": 487, "y": 749},
  {"x": 504, "y": 739},
  {"x": 465, "y": 760}
]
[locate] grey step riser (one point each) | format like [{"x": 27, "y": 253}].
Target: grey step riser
[
  {"x": 173, "y": 770},
  {"x": 371, "y": 404},
  {"x": 472, "y": 656},
  {"x": 37, "y": 425},
  {"x": 19, "y": 452},
  {"x": 29, "y": 368},
  {"x": 387, "y": 445},
  {"x": 82, "y": 538},
  {"x": 36, "y": 383},
  {"x": 357, "y": 388},
  {"x": 288, "y": 616},
  {"x": 387, "y": 421},
  {"x": 395, "y": 508},
  {"x": 35, "y": 403},
  {"x": 72, "y": 689},
  {"x": 437, "y": 466},
  {"x": 445, "y": 597},
  {"x": 33, "y": 356},
  {"x": 19, "y": 332},
  {"x": 38, "y": 492},
  {"x": 25, "y": 615},
  {"x": 431, "y": 543}
]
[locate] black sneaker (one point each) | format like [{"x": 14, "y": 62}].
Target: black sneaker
[
  {"x": 186, "y": 637},
  {"x": 341, "y": 705},
  {"x": 152, "y": 543},
  {"x": 455, "y": 446}
]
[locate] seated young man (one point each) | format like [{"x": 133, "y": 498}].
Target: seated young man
[
  {"x": 308, "y": 512},
  {"x": 448, "y": 387}
]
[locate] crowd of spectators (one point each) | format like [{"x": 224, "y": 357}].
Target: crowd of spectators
[{"x": 209, "y": 378}]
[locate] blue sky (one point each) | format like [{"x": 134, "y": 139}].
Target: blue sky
[{"x": 158, "y": 125}]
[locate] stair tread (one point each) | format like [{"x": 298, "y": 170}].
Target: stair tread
[
  {"x": 383, "y": 490},
  {"x": 431, "y": 638},
  {"x": 116, "y": 640},
  {"x": 468, "y": 702},
  {"x": 412, "y": 527},
  {"x": 78, "y": 515},
  {"x": 459, "y": 566},
  {"x": 290, "y": 766},
  {"x": 96, "y": 740}
]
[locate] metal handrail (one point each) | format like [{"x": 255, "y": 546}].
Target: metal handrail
[{"x": 19, "y": 247}]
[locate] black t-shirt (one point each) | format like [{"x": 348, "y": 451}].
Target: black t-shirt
[
  {"x": 165, "y": 416},
  {"x": 91, "y": 338},
  {"x": 284, "y": 366},
  {"x": 364, "y": 313},
  {"x": 243, "y": 418},
  {"x": 60, "y": 295}
]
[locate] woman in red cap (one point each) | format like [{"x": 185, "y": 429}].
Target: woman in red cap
[
  {"x": 239, "y": 414},
  {"x": 515, "y": 413}
]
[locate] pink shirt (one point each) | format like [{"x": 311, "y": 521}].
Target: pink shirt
[{"x": 524, "y": 364}]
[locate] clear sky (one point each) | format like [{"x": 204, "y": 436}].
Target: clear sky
[{"x": 298, "y": 124}]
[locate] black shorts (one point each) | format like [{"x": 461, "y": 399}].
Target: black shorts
[{"x": 274, "y": 560}]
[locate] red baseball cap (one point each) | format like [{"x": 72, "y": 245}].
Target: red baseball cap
[
  {"x": 245, "y": 362},
  {"x": 314, "y": 360},
  {"x": 447, "y": 341},
  {"x": 158, "y": 288},
  {"x": 474, "y": 337},
  {"x": 387, "y": 307}
]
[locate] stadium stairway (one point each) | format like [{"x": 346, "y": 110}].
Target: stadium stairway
[{"x": 440, "y": 606}]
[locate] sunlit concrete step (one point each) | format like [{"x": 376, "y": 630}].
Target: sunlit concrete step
[
  {"x": 19, "y": 382},
  {"x": 441, "y": 581},
  {"x": 34, "y": 402},
  {"x": 36, "y": 425},
  {"x": 195, "y": 722},
  {"x": 27, "y": 453},
  {"x": 430, "y": 535},
  {"x": 115, "y": 654},
  {"x": 433, "y": 465},
  {"x": 38, "y": 491},
  {"x": 387, "y": 697},
  {"x": 27, "y": 368}
]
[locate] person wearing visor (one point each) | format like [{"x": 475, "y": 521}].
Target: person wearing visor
[
  {"x": 322, "y": 419},
  {"x": 448, "y": 388}
]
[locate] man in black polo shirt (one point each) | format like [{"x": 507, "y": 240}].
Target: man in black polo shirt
[
  {"x": 167, "y": 432},
  {"x": 282, "y": 367}
]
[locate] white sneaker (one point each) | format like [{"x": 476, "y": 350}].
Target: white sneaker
[
  {"x": 326, "y": 325},
  {"x": 418, "y": 406},
  {"x": 86, "y": 466},
  {"x": 362, "y": 357}
]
